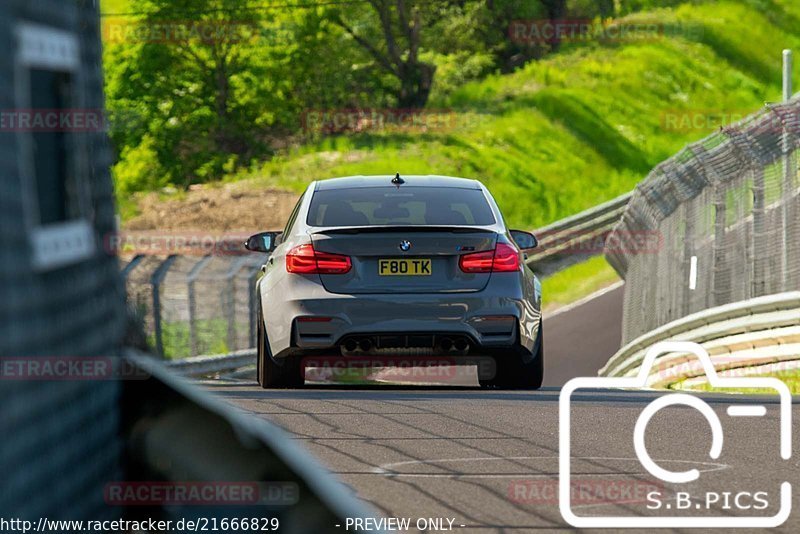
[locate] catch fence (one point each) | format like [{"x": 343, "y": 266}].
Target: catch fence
[
  {"x": 726, "y": 211},
  {"x": 194, "y": 305}
]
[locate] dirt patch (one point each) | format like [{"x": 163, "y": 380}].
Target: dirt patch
[{"x": 236, "y": 206}]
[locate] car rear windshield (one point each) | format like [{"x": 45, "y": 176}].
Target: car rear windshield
[{"x": 375, "y": 206}]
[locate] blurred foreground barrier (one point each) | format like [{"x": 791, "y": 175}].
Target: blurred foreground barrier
[
  {"x": 218, "y": 462},
  {"x": 755, "y": 336}
]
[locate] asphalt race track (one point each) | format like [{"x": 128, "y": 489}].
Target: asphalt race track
[
  {"x": 581, "y": 340},
  {"x": 488, "y": 459}
]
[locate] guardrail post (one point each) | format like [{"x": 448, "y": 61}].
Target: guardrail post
[
  {"x": 252, "y": 302},
  {"x": 786, "y": 183},
  {"x": 722, "y": 274},
  {"x": 721, "y": 269},
  {"x": 229, "y": 299},
  {"x": 742, "y": 147},
  {"x": 190, "y": 279},
  {"x": 758, "y": 245},
  {"x": 135, "y": 261},
  {"x": 688, "y": 252},
  {"x": 155, "y": 281}
]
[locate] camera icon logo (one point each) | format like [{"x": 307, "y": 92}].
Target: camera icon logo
[{"x": 679, "y": 477}]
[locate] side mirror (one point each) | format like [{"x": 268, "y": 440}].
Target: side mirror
[
  {"x": 524, "y": 240},
  {"x": 262, "y": 242}
]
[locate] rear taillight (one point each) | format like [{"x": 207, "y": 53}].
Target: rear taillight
[
  {"x": 303, "y": 259},
  {"x": 477, "y": 262},
  {"x": 504, "y": 258}
]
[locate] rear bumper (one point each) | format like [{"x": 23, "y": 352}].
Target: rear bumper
[
  {"x": 476, "y": 332},
  {"x": 316, "y": 319}
]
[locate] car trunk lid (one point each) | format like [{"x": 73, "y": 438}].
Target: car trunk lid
[{"x": 429, "y": 257}]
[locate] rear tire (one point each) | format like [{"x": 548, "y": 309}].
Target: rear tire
[
  {"x": 282, "y": 373},
  {"x": 519, "y": 369}
]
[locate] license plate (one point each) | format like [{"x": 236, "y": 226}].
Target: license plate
[{"x": 404, "y": 267}]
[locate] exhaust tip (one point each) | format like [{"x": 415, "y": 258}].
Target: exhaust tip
[
  {"x": 350, "y": 345},
  {"x": 461, "y": 344},
  {"x": 446, "y": 343},
  {"x": 365, "y": 344}
]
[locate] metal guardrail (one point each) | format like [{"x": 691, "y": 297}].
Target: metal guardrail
[
  {"x": 217, "y": 363},
  {"x": 577, "y": 237},
  {"x": 761, "y": 333}
]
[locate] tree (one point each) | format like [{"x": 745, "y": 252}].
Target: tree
[
  {"x": 556, "y": 10},
  {"x": 605, "y": 8},
  {"x": 208, "y": 92},
  {"x": 495, "y": 24},
  {"x": 393, "y": 39},
  {"x": 329, "y": 69}
]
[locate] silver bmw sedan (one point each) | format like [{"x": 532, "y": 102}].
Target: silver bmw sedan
[{"x": 382, "y": 265}]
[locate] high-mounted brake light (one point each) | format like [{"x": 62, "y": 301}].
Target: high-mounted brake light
[
  {"x": 303, "y": 259},
  {"x": 504, "y": 258}
]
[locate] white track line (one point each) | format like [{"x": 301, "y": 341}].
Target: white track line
[{"x": 584, "y": 300}]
